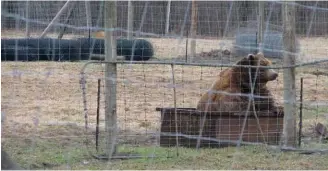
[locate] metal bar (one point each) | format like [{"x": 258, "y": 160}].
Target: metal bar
[
  {"x": 27, "y": 15},
  {"x": 260, "y": 25},
  {"x": 98, "y": 104},
  {"x": 130, "y": 20},
  {"x": 175, "y": 110},
  {"x": 88, "y": 13},
  {"x": 187, "y": 46},
  {"x": 193, "y": 30},
  {"x": 66, "y": 21},
  {"x": 205, "y": 64},
  {"x": 167, "y": 23},
  {"x": 301, "y": 115},
  {"x": 122, "y": 157},
  {"x": 44, "y": 33}
]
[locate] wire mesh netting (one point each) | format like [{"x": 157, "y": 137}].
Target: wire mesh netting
[{"x": 53, "y": 111}]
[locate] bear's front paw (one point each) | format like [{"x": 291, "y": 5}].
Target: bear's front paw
[{"x": 279, "y": 111}]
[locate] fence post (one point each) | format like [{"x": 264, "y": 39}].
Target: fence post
[
  {"x": 193, "y": 30},
  {"x": 260, "y": 28},
  {"x": 27, "y": 16},
  {"x": 167, "y": 23},
  {"x": 289, "y": 38},
  {"x": 110, "y": 77},
  {"x": 130, "y": 20},
  {"x": 88, "y": 13}
]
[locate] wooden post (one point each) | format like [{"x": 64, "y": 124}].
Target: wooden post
[
  {"x": 110, "y": 77},
  {"x": 27, "y": 16},
  {"x": 44, "y": 33},
  {"x": 168, "y": 11},
  {"x": 260, "y": 29},
  {"x": 193, "y": 30},
  {"x": 130, "y": 20},
  {"x": 88, "y": 13},
  {"x": 289, "y": 39}
]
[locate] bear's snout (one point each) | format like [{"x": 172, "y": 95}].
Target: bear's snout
[{"x": 272, "y": 75}]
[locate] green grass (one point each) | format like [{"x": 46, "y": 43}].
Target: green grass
[
  {"x": 227, "y": 158},
  {"x": 65, "y": 152},
  {"x": 54, "y": 154},
  {"x": 43, "y": 154},
  {"x": 71, "y": 153}
]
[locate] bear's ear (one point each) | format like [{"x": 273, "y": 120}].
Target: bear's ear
[
  {"x": 250, "y": 57},
  {"x": 249, "y": 60}
]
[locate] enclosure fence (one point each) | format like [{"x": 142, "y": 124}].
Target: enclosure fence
[{"x": 147, "y": 109}]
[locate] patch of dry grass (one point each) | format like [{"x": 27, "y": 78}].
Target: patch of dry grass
[
  {"x": 58, "y": 96},
  {"x": 38, "y": 94}
]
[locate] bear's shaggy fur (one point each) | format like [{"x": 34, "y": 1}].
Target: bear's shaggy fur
[{"x": 229, "y": 92}]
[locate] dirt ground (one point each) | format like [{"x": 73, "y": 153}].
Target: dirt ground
[{"x": 35, "y": 96}]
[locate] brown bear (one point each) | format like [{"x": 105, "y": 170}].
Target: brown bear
[{"x": 229, "y": 93}]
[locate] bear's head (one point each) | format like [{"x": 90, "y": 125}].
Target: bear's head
[{"x": 263, "y": 74}]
